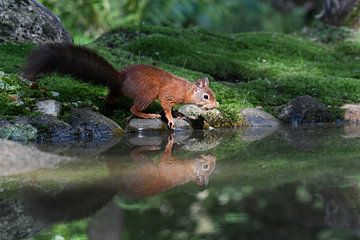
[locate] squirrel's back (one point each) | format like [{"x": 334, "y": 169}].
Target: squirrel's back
[{"x": 76, "y": 61}]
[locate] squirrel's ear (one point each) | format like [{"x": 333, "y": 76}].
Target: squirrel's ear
[
  {"x": 206, "y": 81},
  {"x": 202, "y": 82}
]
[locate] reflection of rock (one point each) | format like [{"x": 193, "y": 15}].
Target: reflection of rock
[
  {"x": 257, "y": 133},
  {"x": 84, "y": 149},
  {"x": 154, "y": 138},
  {"x": 28, "y": 20},
  {"x": 351, "y": 131},
  {"x": 352, "y": 113},
  {"x": 17, "y": 159},
  {"x": 204, "y": 141},
  {"x": 49, "y": 107},
  {"x": 305, "y": 109},
  {"x": 107, "y": 224},
  {"x": 140, "y": 125},
  {"x": 305, "y": 139},
  {"x": 258, "y": 118},
  {"x": 16, "y": 223}
]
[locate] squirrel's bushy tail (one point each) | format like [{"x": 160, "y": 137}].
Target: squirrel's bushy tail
[{"x": 79, "y": 62}]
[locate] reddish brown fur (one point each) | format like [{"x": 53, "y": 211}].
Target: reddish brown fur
[
  {"x": 147, "y": 179},
  {"x": 142, "y": 83}
]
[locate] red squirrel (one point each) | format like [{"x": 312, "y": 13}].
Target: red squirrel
[
  {"x": 143, "y": 83},
  {"x": 146, "y": 178}
]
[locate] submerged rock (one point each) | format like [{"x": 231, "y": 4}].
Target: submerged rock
[
  {"x": 30, "y": 21},
  {"x": 305, "y": 109},
  {"x": 139, "y": 125},
  {"x": 49, "y": 107},
  {"x": 257, "y": 118}
]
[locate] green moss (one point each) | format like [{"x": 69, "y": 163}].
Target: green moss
[
  {"x": 264, "y": 69},
  {"x": 273, "y": 68}
]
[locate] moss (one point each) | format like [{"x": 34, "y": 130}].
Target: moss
[
  {"x": 259, "y": 68},
  {"x": 272, "y": 68}
]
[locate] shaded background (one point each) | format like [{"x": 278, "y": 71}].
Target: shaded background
[{"x": 87, "y": 19}]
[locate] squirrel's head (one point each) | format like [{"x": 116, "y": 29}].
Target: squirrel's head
[
  {"x": 203, "y": 96},
  {"x": 202, "y": 169}
]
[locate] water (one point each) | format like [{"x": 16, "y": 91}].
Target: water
[{"x": 286, "y": 183}]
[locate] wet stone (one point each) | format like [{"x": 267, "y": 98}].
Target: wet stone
[
  {"x": 17, "y": 130},
  {"x": 352, "y": 113},
  {"x": 305, "y": 109},
  {"x": 139, "y": 125},
  {"x": 88, "y": 124}
]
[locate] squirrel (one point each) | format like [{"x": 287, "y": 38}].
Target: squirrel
[
  {"x": 143, "y": 83},
  {"x": 147, "y": 178}
]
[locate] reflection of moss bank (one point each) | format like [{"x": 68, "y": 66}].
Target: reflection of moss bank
[{"x": 266, "y": 69}]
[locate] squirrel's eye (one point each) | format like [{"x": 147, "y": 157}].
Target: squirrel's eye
[
  {"x": 206, "y": 96},
  {"x": 205, "y": 167}
]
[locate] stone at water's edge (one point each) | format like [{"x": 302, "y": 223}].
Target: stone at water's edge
[
  {"x": 49, "y": 107},
  {"x": 82, "y": 124},
  {"x": 30, "y": 21},
  {"x": 51, "y": 128},
  {"x": 139, "y": 124},
  {"x": 258, "y": 118},
  {"x": 17, "y": 130},
  {"x": 212, "y": 117},
  {"x": 305, "y": 109},
  {"x": 352, "y": 113},
  {"x": 93, "y": 125}
]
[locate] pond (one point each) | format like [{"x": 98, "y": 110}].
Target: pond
[{"x": 256, "y": 183}]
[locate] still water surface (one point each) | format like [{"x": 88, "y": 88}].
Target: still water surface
[{"x": 269, "y": 183}]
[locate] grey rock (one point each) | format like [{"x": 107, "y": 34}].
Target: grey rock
[
  {"x": 16, "y": 158},
  {"x": 52, "y": 129},
  {"x": 17, "y": 130},
  {"x": 91, "y": 125},
  {"x": 30, "y": 21},
  {"x": 305, "y": 109},
  {"x": 352, "y": 113},
  {"x": 194, "y": 112},
  {"x": 139, "y": 125},
  {"x": 82, "y": 124},
  {"x": 49, "y": 107},
  {"x": 212, "y": 117},
  {"x": 257, "y": 118}
]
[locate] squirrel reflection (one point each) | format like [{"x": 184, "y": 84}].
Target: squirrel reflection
[
  {"x": 148, "y": 178},
  {"x": 144, "y": 179}
]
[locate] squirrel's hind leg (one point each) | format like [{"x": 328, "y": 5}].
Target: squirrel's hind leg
[{"x": 139, "y": 106}]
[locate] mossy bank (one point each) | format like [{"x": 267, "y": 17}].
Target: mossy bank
[{"x": 246, "y": 70}]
